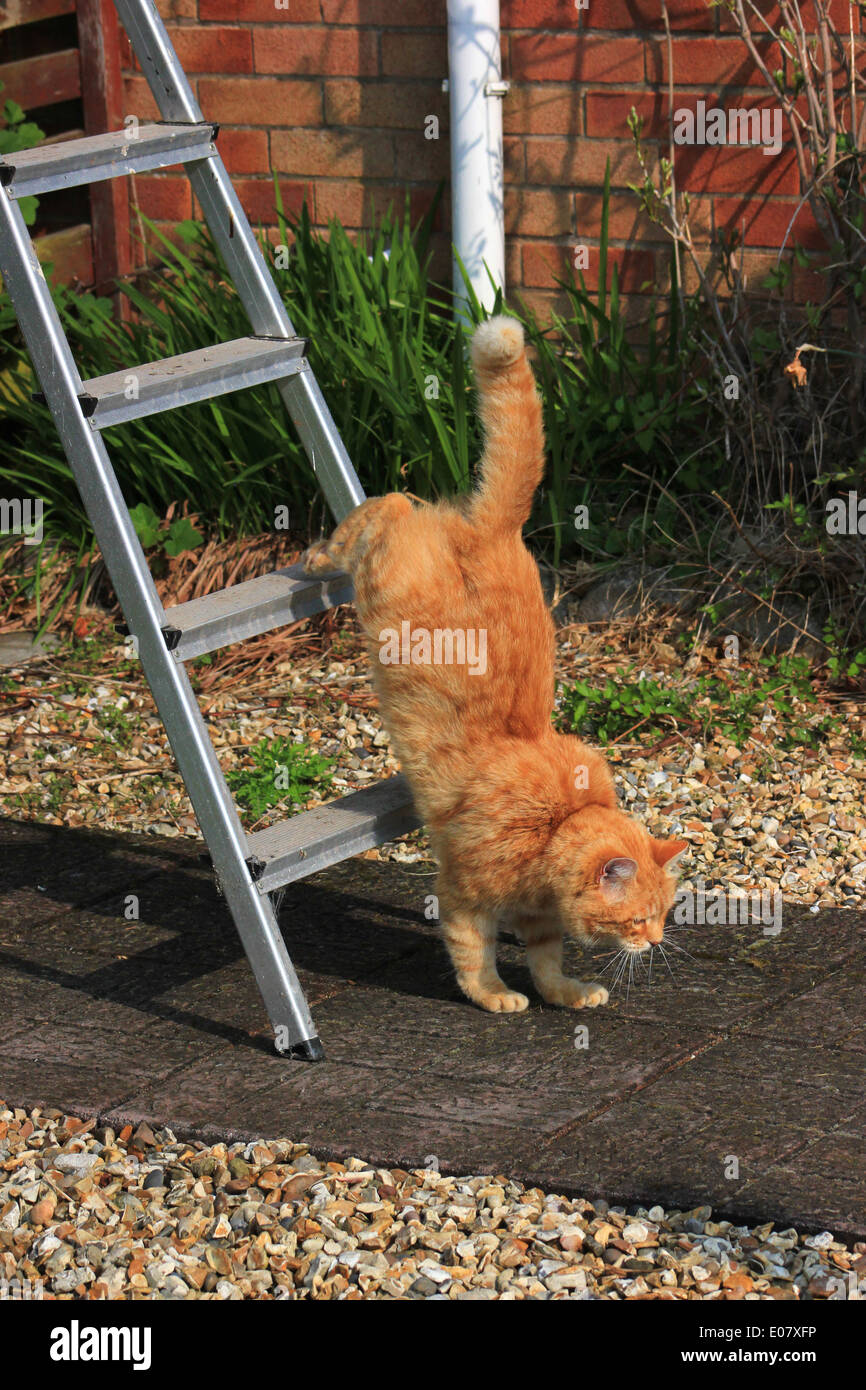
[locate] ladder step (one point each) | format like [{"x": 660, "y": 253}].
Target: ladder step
[
  {"x": 254, "y": 606},
  {"x": 314, "y": 839},
  {"x": 191, "y": 376},
  {"x": 97, "y": 157}
]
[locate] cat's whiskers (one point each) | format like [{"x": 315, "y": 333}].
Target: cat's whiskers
[
  {"x": 626, "y": 960},
  {"x": 675, "y": 946},
  {"x": 671, "y": 940},
  {"x": 615, "y": 982},
  {"x": 666, "y": 961},
  {"x": 613, "y": 960}
]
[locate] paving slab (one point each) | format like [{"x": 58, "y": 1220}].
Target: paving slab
[{"x": 735, "y": 1079}]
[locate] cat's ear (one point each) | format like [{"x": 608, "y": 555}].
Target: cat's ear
[
  {"x": 669, "y": 852},
  {"x": 616, "y": 875}
]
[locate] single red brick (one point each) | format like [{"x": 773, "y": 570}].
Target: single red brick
[
  {"x": 404, "y": 105},
  {"x": 415, "y": 55},
  {"x": 545, "y": 264},
  {"x": 756, "y": 266},
  {"x": 542, "y": 109},
  {"x": 576, "y": 58},
  {"x": 539, "y": 14},
  {"x": 636, "y": 270},
  {"x": 314, "y": 52},
  {"x": 244, "y": 151},
  {"x": 359, "y": 205},
  {"x": 692, "y": 15},
  {"x": 174, "y": 10},
  {"x": 626, "y": 222},
  {"x": 607, "y": 113},
  {"x": 559, "y": 162},
  {"x": 417, "y": 157},
  {"x": 769, "y": 222},
  {"x": 163, "y": 197},
  {"x": 353, "y": 154},
  {"x": 390, "y": 14},
  {"x": 137, "y": 100},
  {"x": 342, "y": 199},
  {"x": 213, "y": 49},
  {"x": 261, "y": 101},
  {"x": 261, "y": 11},
  {"x": 258, "y": 201},
  {"x": 709, "y": 63},
  {"x": 540, "y": 212},
  {"x": 735, "y": 169}
]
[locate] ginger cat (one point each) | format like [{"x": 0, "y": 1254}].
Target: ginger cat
[{"x": 523, "y": 820}]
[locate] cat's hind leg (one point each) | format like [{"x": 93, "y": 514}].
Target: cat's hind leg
[
  {"x": 471, "y": 941},
  {"x": 544, "y": 956},
  {"x": 355, "y": 533}
]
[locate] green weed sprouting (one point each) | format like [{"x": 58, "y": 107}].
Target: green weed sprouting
[
  {"x": 711, "y": 706},
  {"x": 283, "y": 772}
]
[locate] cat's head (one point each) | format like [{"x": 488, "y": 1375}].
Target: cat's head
[{"x": 612, "y": 879}]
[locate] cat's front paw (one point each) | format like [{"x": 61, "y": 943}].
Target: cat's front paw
[
  {"x": 316, "y": 560},
  {"x": 504, "y": 1001},
  {"x": 574, "y": 994}
]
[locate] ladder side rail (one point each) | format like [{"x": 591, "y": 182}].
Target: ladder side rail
[
  {"x": 88, "y": 458},
  {"x": 246, "y": 265}
]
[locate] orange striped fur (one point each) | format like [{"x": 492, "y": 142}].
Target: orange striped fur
[{"x": 523, "y": 820}]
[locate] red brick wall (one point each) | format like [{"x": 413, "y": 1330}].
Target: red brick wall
[{"x": 332, "y": 96}]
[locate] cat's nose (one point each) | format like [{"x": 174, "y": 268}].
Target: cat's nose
[{"x": 654, "y": 932}]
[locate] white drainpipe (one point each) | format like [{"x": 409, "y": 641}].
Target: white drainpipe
[{"x": 476, "y": 90}]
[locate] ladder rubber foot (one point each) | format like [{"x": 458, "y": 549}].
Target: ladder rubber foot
[{"x": 310, "y": 1050}]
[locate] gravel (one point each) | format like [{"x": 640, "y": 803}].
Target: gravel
[{"x": 87, "y": 1213}]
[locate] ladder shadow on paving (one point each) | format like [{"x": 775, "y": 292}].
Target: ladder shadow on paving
[{"x": 123, "y": 922}]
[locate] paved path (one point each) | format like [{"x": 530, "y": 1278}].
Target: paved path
[{"x": 739, "y": 1082}]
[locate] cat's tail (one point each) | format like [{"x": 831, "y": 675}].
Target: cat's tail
[{"x": 512, "y": 464}]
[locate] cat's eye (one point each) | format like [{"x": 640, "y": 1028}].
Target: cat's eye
[{"x": 638, "y": 921}]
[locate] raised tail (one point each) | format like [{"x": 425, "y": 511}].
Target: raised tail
[{"x": 512, "y": 464}]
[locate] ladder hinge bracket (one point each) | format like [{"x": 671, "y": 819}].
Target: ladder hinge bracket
[
  {"x": 172, "y": 635},
  {"x": 256, "y": 867}
]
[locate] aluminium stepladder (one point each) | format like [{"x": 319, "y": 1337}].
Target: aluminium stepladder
[{"x": 248, "y": 868}]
